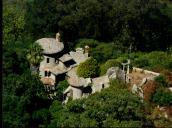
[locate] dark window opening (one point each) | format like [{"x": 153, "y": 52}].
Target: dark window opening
[
  {"x": 69, "y": 63},
  {"x": 49, "y": 73},
  {"x": 103, "y": 86},
  {"x": 48, "y": 60},
  {"x": 60, "y": 77},
  {"x": 46, "y": 73},
  {"x": 87, "y": 89}
]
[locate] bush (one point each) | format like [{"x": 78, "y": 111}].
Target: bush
[
  {"x": 141, "y": 62},
  {"x": 105, "y": 51},
  {"x": 161, "y": 81},
  {"x": 62, "y": 85},
  {"x": 90, "y": 42},
  {"x": 89, "y": 68},
  {"x": 162, "y": 97},
  {"x": 110, "y": 63},
  {"x": 117, "y": 84},
  {"x": 153, "y": 61},
  {"x": 122, "y": 59}
]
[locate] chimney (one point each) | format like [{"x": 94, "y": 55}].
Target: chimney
[
  {"x": 86, "y": 49},
  {"x": 58, "y": 37}
]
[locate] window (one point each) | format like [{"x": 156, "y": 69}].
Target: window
[
  {"x": 103, "y": 86},
  {"x": 46, "y": 73},
  {"x": 49, "y": 73},
  {"x": 48, "y": 60}
]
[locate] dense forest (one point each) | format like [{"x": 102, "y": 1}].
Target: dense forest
[{"x": 115, "y": 30}]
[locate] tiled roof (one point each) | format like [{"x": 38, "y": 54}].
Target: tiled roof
[
  {"x": 78, "y": 57},
  {"x": 50, "y": 45},
  {"x": 77, "y": 81},
  {"x": 54, "y": 68},
  {"x": 74, "y": 79},
  {"x": 65, "y": 57}
]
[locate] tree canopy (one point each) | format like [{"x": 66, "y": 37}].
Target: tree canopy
[
  {"x": 104, "y": 109},
  {"x": 109, "y": 28},
  {"x": 137, "y": 22},
  {"x": 89, "y": 68}
]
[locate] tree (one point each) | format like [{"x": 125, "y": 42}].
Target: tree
[
  {"x": 34, "y": 55},
  {"x": 162, "y": 97},
  {"x": 13, "y": 20},
  {"x": 161, "y": 81},
  {"x": 103, "y": 109},
  {"x": 89, "y": 68},
  {"x": 23, "y": 95},
  {"x": 108, "y": 64},
  {"x": 42, "y": 17},
  {"x": 60, "y": 87}
]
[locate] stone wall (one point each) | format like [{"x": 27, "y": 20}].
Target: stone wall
[{"x": 145, "y": 71}]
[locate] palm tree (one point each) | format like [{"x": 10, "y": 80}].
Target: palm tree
[{"x": 34, "y": 56}]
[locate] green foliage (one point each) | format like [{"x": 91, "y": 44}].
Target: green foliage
[
  {"x": 23, "y": 95},
  {"x": 76, "y": 106},
  {"x": 122, "y": 59},
  {"x": 104, "y": 109},
  {"x": 141, "y": 62},
  {"x": 162, "y": 97},
  {"x": 89, "y": 68},
  {"x": 62, "y": 85},
  {"x": 42, "y": 17},
  {"x": 101, "y": 51},
  {"x": 152, "y": 61},
  {"x": 112, "y": 20},
  {"x": 161, "y": 81},
  {"x": 145, "y": 25},
  {"x": 41, "y": 117},
  {"x": 105, "y": 51},
  {"x": 117, "y": 84},
  {"x": 110, "y": 122},
  {"x": 34, "y": 55},
  {"x": 14, "y": 60},
  {"x": 90, "y": 42},
  {"x": 13, "y": 21},
  {"x": 110, "y": 63}
]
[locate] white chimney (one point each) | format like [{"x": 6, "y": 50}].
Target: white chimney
[{"x": 58, "y": 37}]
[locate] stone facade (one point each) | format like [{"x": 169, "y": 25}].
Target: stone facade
[{"x": 55, "y": 64}]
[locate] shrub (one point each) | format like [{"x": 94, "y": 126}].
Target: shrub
[
  {"x": 122, "y": 59},
  {"x": 103, "y": 52},
  {"x": 152, "y": 61},
  {"x": 75, "y": 106},
  {"x": 162, "y": 97},
  {"x": 110, "y": 63},
  {"x": 118, "y": 84},
  {"x": 89, "y": 68},
  {"x": 62, "y": 85},
  {"x": 141, "y": 62},
  {"x": 161, "y": 81},
  {"x": 90, "y": 42}
]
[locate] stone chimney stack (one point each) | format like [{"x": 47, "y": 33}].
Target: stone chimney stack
[
  {"x": 58, "y": 37},
  {"x": 86, "y": 49}
]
